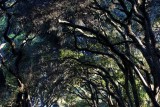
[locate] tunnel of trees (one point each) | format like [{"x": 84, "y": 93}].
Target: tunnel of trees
[{"x": 80, "y": 53}]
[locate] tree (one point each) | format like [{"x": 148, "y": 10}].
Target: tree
[
  {"x": 104, "y": 52},
  {"x": 30, "y": 58},
  {"x": 131, "y": 30}
]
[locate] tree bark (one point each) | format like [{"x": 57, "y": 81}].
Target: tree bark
[
  {"x": 2, "y": 79},
  {"x": 23, "y": 98}
]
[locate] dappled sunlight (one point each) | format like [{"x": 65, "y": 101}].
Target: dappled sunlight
[{"x": 79, "y": 53}]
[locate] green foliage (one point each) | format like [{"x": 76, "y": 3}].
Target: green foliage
[
  {"x": 81, "y": 103},
  {"x": 68, "y": 53},
  {"x": 3, "y": 23},
  {"x": 99, "y": 68}
]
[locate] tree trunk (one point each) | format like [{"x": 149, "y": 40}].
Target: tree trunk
[
  {"x": 2, "y": 80},
  {"x": 23, "y": 99}
]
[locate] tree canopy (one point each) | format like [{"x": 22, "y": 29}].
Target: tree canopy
[{"x": 83, "y": 53}]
